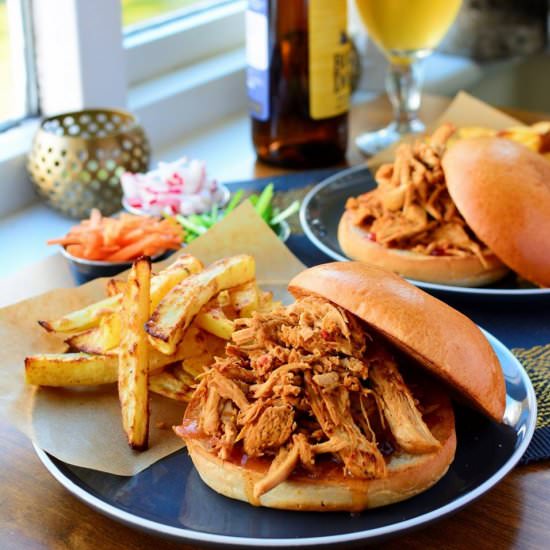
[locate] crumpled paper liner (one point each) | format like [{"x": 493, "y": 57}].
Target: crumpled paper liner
[
  {"x": 465, "y": 110},
  {"x": 83, "y": 426}
]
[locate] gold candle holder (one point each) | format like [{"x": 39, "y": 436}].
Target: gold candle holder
[{"x": 77, "y": 159}]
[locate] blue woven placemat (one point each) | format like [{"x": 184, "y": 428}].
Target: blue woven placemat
[{"x": 536, "y": 361}]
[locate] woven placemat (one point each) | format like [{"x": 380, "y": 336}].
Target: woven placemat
[{"x": 536, "y": 361}]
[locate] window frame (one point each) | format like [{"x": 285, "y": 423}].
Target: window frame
[
  {"x": 81, "y": 45},
  {"x": 183, "y": 40},
  {"x": 22, "y": 46}
]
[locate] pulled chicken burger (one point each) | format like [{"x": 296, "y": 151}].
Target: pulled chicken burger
[
  {"x": 320, "y": 405},
  {"x": 411, "y": 225}
]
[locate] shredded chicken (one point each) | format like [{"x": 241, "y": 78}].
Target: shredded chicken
[
  {"x": 411, "y": 207},
  {"x": 280, "y": 469},
  {"x": 271, "y": 430},
  {"x": 304, "y": 384},
  {"x": 399, "y": 408}
]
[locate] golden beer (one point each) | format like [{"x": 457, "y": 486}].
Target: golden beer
[{"x": 403, "y": 27}]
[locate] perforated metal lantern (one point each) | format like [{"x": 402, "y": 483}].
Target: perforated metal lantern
[{"x": 77, "y": 159}]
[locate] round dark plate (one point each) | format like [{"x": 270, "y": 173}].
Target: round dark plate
[
  {"x": 321, "y": 211},
  {"x": 169, "y": 499}
]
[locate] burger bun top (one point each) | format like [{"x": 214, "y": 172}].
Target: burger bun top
[
  {"x": 503, "y": 191},
  {"x": 444, "y": 341}
]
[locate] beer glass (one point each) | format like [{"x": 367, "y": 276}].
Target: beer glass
[{"x": 406, "y": 31}]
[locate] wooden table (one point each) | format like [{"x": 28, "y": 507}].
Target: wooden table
[{"x": 36, "y": 512}]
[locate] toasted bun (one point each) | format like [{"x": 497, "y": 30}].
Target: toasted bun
[
  {"x": 407, "y": 476},
  {"x": 450, "y": 270},
  {"x": 503, "y": 191},
  {"x": 443, "y": 340}
]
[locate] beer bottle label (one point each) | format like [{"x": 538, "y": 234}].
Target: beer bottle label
[
  {"x": 257, "y": 58},
  {"x": 329, "y": 51}
]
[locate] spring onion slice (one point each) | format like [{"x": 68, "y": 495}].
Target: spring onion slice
[
  {"x": 264, "y": 201},
  {"x": 191, "y": 225},
  {"x": 235, "y": 199},
  {"x": 287, "y": 212}
]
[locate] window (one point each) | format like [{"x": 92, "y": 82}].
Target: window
[
  {"x": 164, "y": 35},
  {"x": 186, "y": 70},
  {"x": 17, "y": 89},
  {"x": 177, "y": 64},
  {"x": 137, "y": 13}
]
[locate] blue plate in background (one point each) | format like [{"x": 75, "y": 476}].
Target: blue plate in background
[{"x": 324, "y": 205}]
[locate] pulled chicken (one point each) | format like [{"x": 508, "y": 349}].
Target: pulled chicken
[
  {"x": 411, "y": 208},
  {"x": 306, "y": 383}
]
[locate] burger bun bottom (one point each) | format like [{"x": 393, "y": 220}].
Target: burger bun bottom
[
  {"x": 464, "y": 271},
  {"x": 407, "y": 476}
]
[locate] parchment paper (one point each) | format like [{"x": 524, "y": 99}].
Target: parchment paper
[
  {"x": 83, "y": 426},
  {"x": 465, "y": 110}
]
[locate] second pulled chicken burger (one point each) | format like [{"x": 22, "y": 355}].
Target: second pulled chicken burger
[
  {"x": 320, "y": 405},
  {"x": 410, "y": 224}
]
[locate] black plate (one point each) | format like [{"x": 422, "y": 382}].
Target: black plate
[
  {"x": 169, "y": 499},
  {"x": 321, "y": 211}
]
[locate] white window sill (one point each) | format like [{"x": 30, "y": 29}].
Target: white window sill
[{"x": 169, "y": 107}]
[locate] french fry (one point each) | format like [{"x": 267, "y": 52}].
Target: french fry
[
  {"x": 195, "y": 366},
  {"x": 185, "y": 266},
  {"x": 213, "y": 320},
  {"x": 218, "y": 315},
  {"x": 244, "y": 299},
  {"x": 173, "y": 383},
  {"x": 84, "y": 369},
  {"x": 535, "y": 137},
  {"x": 70, "y": 369},
  {"x": 84, "y": 318},
  {"x": 99, "y": 340},
  {"x": 542, "y": 127},
  {"x": 467, "y": 132},
  {"x": 177, "y": 381},
  {"x": 195, "y": 351},
  {"x": 81, "y": 369},
  {"x": 180, "y": 305},
  {"x": 222, "y": 299},
  {"x": 133, "y": 362},
  {"x": 91, "y": 315},
  {"x": 115, "y": 286}
]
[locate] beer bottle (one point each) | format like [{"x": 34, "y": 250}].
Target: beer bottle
[{"x": 298, "y": 80}]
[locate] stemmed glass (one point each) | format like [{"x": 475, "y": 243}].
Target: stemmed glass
[{"x": 406, "y": 31}]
